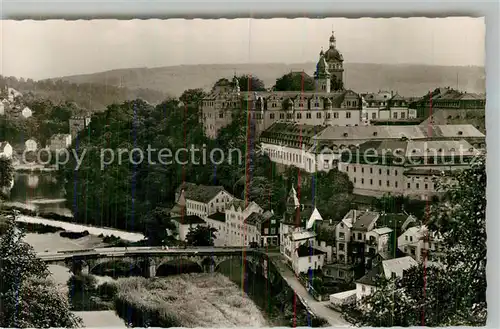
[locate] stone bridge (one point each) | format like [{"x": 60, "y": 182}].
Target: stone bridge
[{"x": 150, "y": 259}]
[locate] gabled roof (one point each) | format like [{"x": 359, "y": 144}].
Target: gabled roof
[
  {"x": 3, "y": 145},
  {"x": 189, "y": 220},
  {"x": 382, "y": 230},
  {"x": 236, "y": 203},
  {"x": 370, "y": 278},
  {"x": 218, "y": 216},
  {"x": 365, "y": 220},
  {"x": 397, "y": 265},
  {"x": 305, "y": 251},
  {"x": 315, "y": 216},
  {"x": 203, "y": 193},
  {"x": 303, "y": 235}
]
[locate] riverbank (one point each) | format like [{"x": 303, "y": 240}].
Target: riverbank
[
  {"x": 70, "y": 227},
  {"x": 186, "y": 300}
]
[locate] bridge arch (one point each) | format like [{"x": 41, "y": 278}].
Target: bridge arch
[
  {"x": 178, "y": 266},
  {"x": 116, "y": 267}
]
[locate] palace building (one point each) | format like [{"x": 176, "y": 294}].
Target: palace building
[{"x": 330, "y": 104}]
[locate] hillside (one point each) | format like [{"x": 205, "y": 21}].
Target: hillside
[{"x": 408, "y": 80}]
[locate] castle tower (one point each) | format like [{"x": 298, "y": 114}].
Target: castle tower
[
  {"x": 322, "y": 75},
  {"x": 335, "y": 63},
  {"x": 236, "y": 85}
]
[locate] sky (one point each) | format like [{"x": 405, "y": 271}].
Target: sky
[{"x": 54, "y": 48}]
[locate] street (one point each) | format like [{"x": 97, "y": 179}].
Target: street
[{"x": 320, "y": 309}]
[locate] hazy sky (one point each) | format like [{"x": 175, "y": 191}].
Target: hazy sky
[{"x": 43, "y": 49}]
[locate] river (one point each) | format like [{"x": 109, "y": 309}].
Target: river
[{"x": 42, "y": 192}]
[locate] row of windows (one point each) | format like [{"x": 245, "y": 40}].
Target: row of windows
[
  {"x": 319, "y": 115},
  {"x": 388, "y": 171},
  {"x": 285, "y": 156},
  {"x": 388, "y": 183}
]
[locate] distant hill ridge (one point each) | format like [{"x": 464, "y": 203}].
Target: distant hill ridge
[{"x": 406, "y": 79}]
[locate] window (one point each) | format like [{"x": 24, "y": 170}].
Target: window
[
  {"x": 395, "y": 172},
  {"x": 354, "y": 179},
  {"x": 341, "y": 235},
  {"x": 341, "y": 274},
  {"x": 362, "y": 180},
  {"x": 341, "y": 246},
  {"x": 282, "y": 115},
  {"x": 395, "y": 115},
  {"x": 406, "y": 237},
  {"x": 341, "y": 225},
  {"x": 418, "y": 185},
  {"x": 409, "y": 185},
  {"x": 379, "y": 183},
  {"x": 328, "y": 115},
  {"x": 426, "y": 186},
  {"x": 288, "y": 115},
  {"x": 354, "y": 169},
  {"x": 374, "y": 115},
  {"x": 411, "y": 238},
  {"x": 335, "y": 115},
  {"x": 393, "y": 275},
  {"x": 363, "y": 288},
  {"x": 403, "y": 115},
  {"x": 310, "y": 259},
  {"x": 308, "y": 115},
  {"x": 266, "y": 231},
  {"x": 348, "y": 115},
  {"x": 360, "y": 236},
  {"x": 388, "y": 183},
  {"x": 396, "y": 184},
  {"x": 371, "y": 181},
  {"x": 299, "y": 115},
  {"x": 221, "y": 115},
  {"x": 380, "y": 171},
  {"x": 371, "y": 170},
  {"x": 273, "y": 230},
  {"x": 388, "y": 172},
  {"x": 318, "y": 115}
]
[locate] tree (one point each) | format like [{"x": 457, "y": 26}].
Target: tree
[
  {"x": 453, "y": 294},
  {"x": 6, "y": 173},
  {"x": 295, "y": 81},
  {"x": 192, "y": 96},
  {"x": 250, "y": 83},
  {"x": 201, "y": 236},
  {"x": 157, "y": 226},
  {"x": 27, "y": 297}
]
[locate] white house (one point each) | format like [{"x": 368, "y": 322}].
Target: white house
[
  {"x": 203, "y": 200},
  {"x": 391, "y": 268},
  {"x": 184, "y": 223},
  {"x": 27, "y": 112},
  {"x": 307, "y": 258},
  {"x": 60, "y": 142},
  {"x": 31, "y": 145},
  {"x": 5, "y": 150},
  {"x": 418, "y": 242},
  {"x": 238, "y": 232}
]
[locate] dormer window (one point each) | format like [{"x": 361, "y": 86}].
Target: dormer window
[
  {"x": 460, "y": 133},
  {"x": 345, "y": 134},
  {"x": 375, "y": 133}
]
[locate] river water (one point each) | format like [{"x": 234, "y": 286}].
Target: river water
[{"x": 42, "y": 192}]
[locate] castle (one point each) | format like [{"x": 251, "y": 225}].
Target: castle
[{"x": 330, "y": 104}]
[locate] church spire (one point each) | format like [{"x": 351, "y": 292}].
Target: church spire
[{"x": 332, "y": 40}]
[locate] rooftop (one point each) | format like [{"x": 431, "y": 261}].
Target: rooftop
[
  {"x": 397, "y": 265},
  {"x": 218, "y": 216},
  {"x": 188, "y": 220},
  {"x": 364, "y": 220},
  {"x": 202, "y": 193},
  {"x": 305, "y": 251}
]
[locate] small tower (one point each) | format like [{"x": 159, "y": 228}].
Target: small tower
[
  {"x": 322, "y": 75},
  {"x": 335, "y": 64},
  {"x": 292, "y": 202},
  {"x": 236, "y": 85}
]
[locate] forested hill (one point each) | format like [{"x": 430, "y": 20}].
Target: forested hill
[
  {"x": 88, "y": 95},
  {"x": 408, "y": 80},
  {"x": 122, "y": 195}
]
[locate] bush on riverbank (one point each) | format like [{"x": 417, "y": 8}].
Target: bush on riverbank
[
  {"x": 38, "y": 228},
  {"x": 185, "y": 300},
  {"x": 84, "y": 294},
  {"x": 73, "y": 235}
]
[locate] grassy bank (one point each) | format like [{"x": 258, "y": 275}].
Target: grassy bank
[{"x": 187, "y": 300}]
